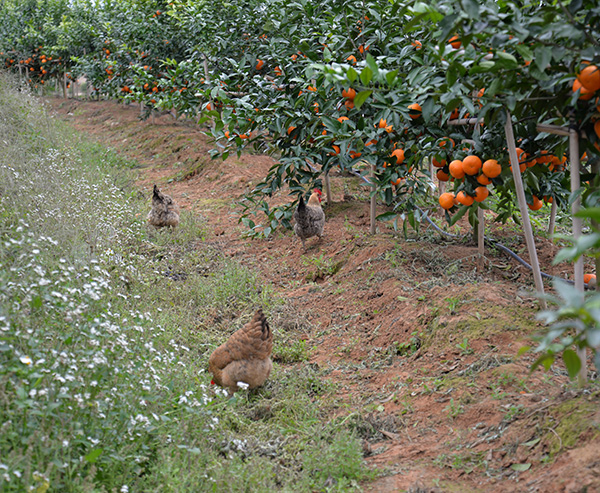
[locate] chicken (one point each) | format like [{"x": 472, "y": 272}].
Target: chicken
[
  {"x": 309, "y": 218},
  {"x": 245, "y": 358},
  {"x": 164, "y": 211}
]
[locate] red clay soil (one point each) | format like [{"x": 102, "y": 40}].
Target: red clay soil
[{"x": 422, "y": 344}]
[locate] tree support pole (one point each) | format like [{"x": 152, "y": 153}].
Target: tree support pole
[
  {"x": 577, "y": 226},
  {"x": 373, "y": 200},
  {"x": 518, "y": 179}
]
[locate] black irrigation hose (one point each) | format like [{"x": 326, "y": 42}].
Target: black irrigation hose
[{"x": 498, "y": 245}]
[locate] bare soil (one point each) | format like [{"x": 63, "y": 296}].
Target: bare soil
[{"x": 422, "y": 344}]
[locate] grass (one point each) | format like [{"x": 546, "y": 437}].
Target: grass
[{"x": 105, "y": 331}]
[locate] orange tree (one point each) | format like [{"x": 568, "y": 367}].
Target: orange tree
[
  {"x": 32, "y": 38},
  {"x": 323, "y": 87}
]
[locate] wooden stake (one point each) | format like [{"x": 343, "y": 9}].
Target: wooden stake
[
  {"x": 552, "y": 223},
  {"x": 328, "y": 189},
  {"x": 373, "y": 201},
  {"x": 64, "y": 84},
  {"x": 480, "y": 238},
  {"x": 577, "y": 226},
  {"x": 518, "y": 179}
]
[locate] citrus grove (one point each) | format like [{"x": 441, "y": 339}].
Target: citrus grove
[{"x": 411, "y": 96}]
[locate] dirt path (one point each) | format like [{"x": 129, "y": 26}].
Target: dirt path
[{"x": 423, "y": 347}]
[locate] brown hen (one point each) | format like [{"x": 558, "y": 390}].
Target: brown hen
[
  {"x": 164, "y": 212},
  {"x": 310, "y": 218},
  {"x": 245, "y": 357}
]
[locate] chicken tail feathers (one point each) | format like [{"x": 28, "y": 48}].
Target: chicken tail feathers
[
  {"x": 301, "y": 205},
  {"x": 265, "y": 329}
]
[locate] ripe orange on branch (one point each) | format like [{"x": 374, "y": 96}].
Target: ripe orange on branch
[
  {"x": 446, "y": 200},
  {"x": 483, "y": 179},
  {"x": 456, "y": 169},
  {"x": 589, "y": 78},
  {"x": 584, "y": 92},
  {"x": 442, "y": 176},
  {"x": 349, "y": 93},
  {"x": 464, "y": 199},
  {"x": 536, "y": 204},
  {"x": 399, "y": 155},
  {"x": 455, "y": 42},
  {"x": 438, "y": 164},
  {"x": 471, "y": 165},
  {"x": 481, "y": 193},
  {"x": 415, "y": 110}
]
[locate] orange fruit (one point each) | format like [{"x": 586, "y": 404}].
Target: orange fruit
[
  {"x": 455, "y": 114},
  {"x": 483, "y": 179},
  {"x": 455, "y": 42},
  {"x": 349, "y": 104},
  {"x": 417, "y": 44},
  {"x": 389, "y": 129},
  {"x": 290, "y": 129},
  {"x": 414, "y": 110},
  {"x": 588, "y": 277},
  {"x": 349, "y": 93},
  {"x": 382, "y": 123},
  {"x": 351, "y": 59},
  {"x": 371, "y": 142},
  {"x": 536, "y": 204},
  {"x": 354, "y": 154},
  {"x": 590, "y": 78},
  {"x": 437, "y": 163},
  {"x": 342, "y": 119},
  {"x": 227, "y": 133},
  {"x": 446, "y": 200},
  {"x": 336, "y": 148},
  {"x": 471, "y": 165},
  {"x": 464, "y": 199},
  {"x": 545, "y": 157},
  {"x": 259, "y": 64},
  {"x": 481, "y": 193},
  {"x": 584, "y": 92},
  {"x": 396, "y": 182},
  {"x": 399, "y": 155},
  {"x": 456, "y": 169},
  {"x": 443, "y": 143},
  {"x": 441, "y": 175}
]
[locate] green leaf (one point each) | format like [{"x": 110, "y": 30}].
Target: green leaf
[
  {"x": 428, "y": 108},
  {"x": 360, "y": 98},
  {"x": 531, "y": 443},
  {"x": 508, "y": 60},
  {"x": 521, "y": 467},
  {"x": 366, "y": 75},
  {"x": 572, "y": 362},
  {"x": 390, "y": 77},
  {"x": 543, "y": 55},
  {"x": 351, "y": 74},
  {"x": 461, "y": 212},
  {"x": 591, "y": 212},
  {"x": 93, "y": 455}
]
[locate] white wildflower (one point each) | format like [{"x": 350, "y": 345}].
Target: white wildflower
[{"x": 26, "y": 360}]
